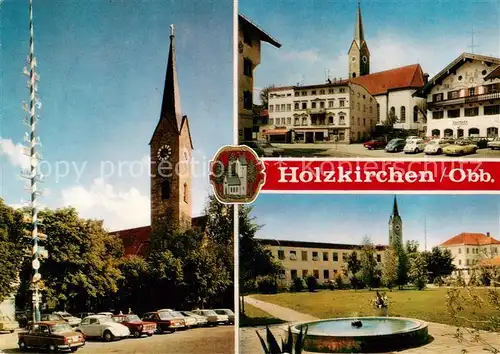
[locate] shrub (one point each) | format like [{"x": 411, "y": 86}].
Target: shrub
[
  {"x": 338, "y": 281},
  {"x": 298, "y": 285},
  {"x": 438, "y": 281},
  {"x": 267, "y": 285},
  {"x": 312, "y": 283}
]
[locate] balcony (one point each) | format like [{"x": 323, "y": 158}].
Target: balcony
[
  {"x": 317, "y": 111},
  {"x": 464, "y": 100}
]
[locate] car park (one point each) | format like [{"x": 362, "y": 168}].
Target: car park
[
  {"x": 212, "y": 317},
  {"x": 263, "y": 148},
  {"x": 110, "y": 314},
  {"x": 165, "y": 322},
  {"x": 7, "y": 324},
  {"x": 395, "y": 145},
  {"x": 136, "y": 326},
  {"x": 414, "y": 146},
  {"x": 228, "y": 312},
  {"x": 82, "y": 315},
  {"x": 377, "y": 143},
  {"x": 460, "y": 148},
  {"x": 52, "y": 336},
  {"x": 189, "y": 321},
  {"x": 494, "y": 144},
  {"x": 72, "y": 320},
  {"x": 200, "y": 320},
  {"x": 435, "y": 146},
  {"x": 102, "y": 326}
]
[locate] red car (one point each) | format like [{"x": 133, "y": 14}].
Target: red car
[
  {"x": 378, "y": 143},
  {"x": 165, "y": 322},
  {"x": 135, "y": 325}
]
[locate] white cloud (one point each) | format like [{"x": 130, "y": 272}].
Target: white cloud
[
  {"x": 118, "y": 209},
  {"x": 14, "y": 153},
  {"x": 308, "y": 56}
]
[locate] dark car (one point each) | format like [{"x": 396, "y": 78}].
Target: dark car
[
  {"x": 395, "y": 145},
  {"x": 377, "y": 143},
  {"x": 82, "y": 315},
  {"x": 135, "y": 325},
  {"x": 165, "y": 322},
  {"x": 263, "y": 148},
  {"x": 53, "y": 336},
  {"x": 481, "y": 143}
]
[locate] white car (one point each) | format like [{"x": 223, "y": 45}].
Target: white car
[
  {"x": 102, "y": 326},
  {"x": 414, "y": 146},
  {"x": 494, "y": 144},
  {"x": 200, "y": 320},
  {"x": 72, "y": 320},
  {"x": 110, "y": 314},
  {"x": 412, "y": 137},
  {"x": 190, "y": 321},
  {"x": 435, "y": 146},
  {"x": 228, "y": 312},
  {"x": 212, "y": 318}
]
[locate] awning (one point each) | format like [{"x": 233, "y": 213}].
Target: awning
[{"x": 276, "y": 132}]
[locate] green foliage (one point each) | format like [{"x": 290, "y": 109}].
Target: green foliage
[
  {"x": 368, "y": 270},
  {"x": 403, "y": 267},
  {"x": 271, "y": 346},
  {"x": 12, "y": 246},
  {"x": 389, "y": 268},
  {"x": 298, "y": 284},
  {"x": 339, "y": 281},
  {"x": 312, "y": 283},
  {"x": 439, "y": 263},
  {"x": 418, "y": 271},
  {"x": 267, "y": 285}
]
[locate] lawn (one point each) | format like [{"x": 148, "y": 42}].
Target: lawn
[
  {"x": 298, "y": 152},
  {"x": 256, "y": 317},
  {"x": 428, "y": 305}
]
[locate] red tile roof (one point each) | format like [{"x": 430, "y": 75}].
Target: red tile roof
[
  {"x": 470, "y": 238},
  {"x": 410, "y": 76}
]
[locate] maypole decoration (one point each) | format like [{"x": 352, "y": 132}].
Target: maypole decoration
[{"x": 31, "y": 174}]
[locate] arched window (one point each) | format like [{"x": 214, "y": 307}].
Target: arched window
[
  {"x": 415, "y": 114},
  {"x": 448, "y": 133},
  {"x": 473, "y": 131},
  {"x": 185, "y": 193},
  {"x": 460, "y": 133},
  {"x": 393, "y": 111},
  {"x": 165, "y": 189},
  {"x": 403, "y": 114},
  {"x": 436, "y": 132},
  {"x": 492, "y": 132}
]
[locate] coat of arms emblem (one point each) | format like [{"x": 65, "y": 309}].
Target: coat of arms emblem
[{"x": 236, "y": 175}]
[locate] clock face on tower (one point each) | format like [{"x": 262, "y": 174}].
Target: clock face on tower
[
  {"x": 365, "y": 59},
  {"x": 164, "y": 153},
  {"x": 353, "y": 59},
  {"x": 397, "y": 227}
]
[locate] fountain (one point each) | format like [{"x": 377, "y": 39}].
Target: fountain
[{"x": 362, "y": 334}]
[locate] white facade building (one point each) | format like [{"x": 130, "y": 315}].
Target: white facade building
[
  {"x": 463, "y": 100},
  {"x": 235, "y": 181}
]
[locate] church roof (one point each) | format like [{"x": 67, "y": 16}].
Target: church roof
[
  {"x": 245, "y": 25},
  {"x": 395, "y": 210},
  {"x": 410, "y": 76},
  {"x": 470, "y": 238},
  {"x": 136, "y": 241},
  {"x": 453, "y": 66}
]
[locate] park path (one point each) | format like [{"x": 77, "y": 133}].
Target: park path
[{"x": 443, "y": 341}]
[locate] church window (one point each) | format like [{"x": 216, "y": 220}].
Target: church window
[
  {"x": 247, "y": 67},
  {"x": 185, "y": 193},
  {"x": 247, "y": 100},
  {"x": 165, "y": 189},
  {"x": 403, "y": 114},
  {"x": 415, "y": 114}
]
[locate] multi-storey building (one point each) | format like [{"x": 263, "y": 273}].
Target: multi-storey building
[
  {"x": 341, "y": 111},
  {"x": 250, "y": 37},
  {"x": 470, "y": 249},
  {"x": 463, "y": 100},
  {"x": 325, "y": 261}
]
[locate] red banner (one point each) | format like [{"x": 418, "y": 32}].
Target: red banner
[{"x": 323, "y": 175}]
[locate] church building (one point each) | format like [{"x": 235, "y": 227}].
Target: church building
[{"x": 171, "y": 149}]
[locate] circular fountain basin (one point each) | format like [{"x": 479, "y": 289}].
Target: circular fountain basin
[{"x": 375, "y": 334}]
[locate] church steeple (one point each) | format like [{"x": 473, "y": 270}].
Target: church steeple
[
  {"x": 359, "y": 55},
  {"x": 395, "y": 211},
  {"x": 395, "y": 226},
  {"x": 171, "y": 104}
]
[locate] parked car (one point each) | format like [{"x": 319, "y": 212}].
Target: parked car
[
  {"x": 165, "y": 322},
  {"x": 412, "y": 137},
  {"x": 460, "y": 147},
  {"x": 102, "y": 326},
  {"x": 200, "y": 320},
  {"x": 494, "y": 144},
  {"x": 53, "y": 336},
  {"x": 110, "y": 314},
  {"x": 52, "y": 317},
  {"x": 82, "y": 315},
  {"x": 72, "y": 320},
  {"x": 480, "y": 142},
  {"x": 395, "y": 145},
  {"x": 263, "y": 148},
  {"x": 135, "y": 325},
  {"x": 414, "y": 146},
  {"x": 189, "y": 321},
  {"x": 7, "y": 324},
  {"x": 435, "y": 146},
  {"x": 228, "y": 312},
  {"x": 213, "y": 318},
  {"x": 378, "y": 143}
]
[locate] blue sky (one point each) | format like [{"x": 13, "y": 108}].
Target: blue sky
[
  {"x": 102, "y": 66},
  {"x": 348, "y": 218},
  {"x": 316, "y": 35}
]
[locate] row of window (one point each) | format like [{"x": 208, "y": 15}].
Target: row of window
[
  {"x": 469, "y": 262},
  {"x": 321, "y": 92},
  {"x": 491, "y": 132},
  {"x": 471, "y": 91},
  {"x": 468, "y": 112},
  {"x": 315, "y": 256},
  {"x": 294, "y": 273},
  {"x": 304, "y": 121},
  {"x": 402, "y": 113},
  {"x": 476, "y": 250}
]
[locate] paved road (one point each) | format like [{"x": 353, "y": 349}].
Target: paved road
[
  {"x": 357, "y": 150},
  {"x": 218, "y": 340}
]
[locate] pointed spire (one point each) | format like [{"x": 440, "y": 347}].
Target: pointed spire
[
  {"x": 359, "y": 35},
  {"x": 171, "y": 105},
  {"x": 395, "y": 211}
]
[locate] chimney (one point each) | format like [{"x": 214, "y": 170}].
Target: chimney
[
  {"x": 487, "y": 234},
  {"x": 426, "y": 78}
]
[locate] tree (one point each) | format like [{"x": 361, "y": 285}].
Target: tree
[
  {"x": 422, "y": 109},
  {"x": 403, "y": 267},
  {"x": 389, "y": 268},
  {"x": 312, "y": 283},
  {"x": 353, "y": 268},
  {"x": 264, "y": 96},
  {"x": 12, "y": 247},
  {"x": 368, "y": 264},
  {"x": 439, "y": 263},
  {"x": 418, "y": 271},
  {"x": 132, "y": 286},
  {"x": 254, "y": 260}
]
